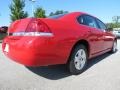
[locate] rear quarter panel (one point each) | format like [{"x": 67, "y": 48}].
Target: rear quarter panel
[{"x": 66, "y": 35}]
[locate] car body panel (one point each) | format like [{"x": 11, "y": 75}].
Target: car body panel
[{"x": 56, "y": 49}]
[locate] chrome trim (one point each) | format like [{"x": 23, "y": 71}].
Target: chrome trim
[{"x": 32, "y": 34}]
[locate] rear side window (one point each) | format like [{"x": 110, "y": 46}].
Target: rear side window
[
  {"x": 81, "y": 20},
  {"x": 87, "y": 20},
  {"x": 101, "y": 25}
]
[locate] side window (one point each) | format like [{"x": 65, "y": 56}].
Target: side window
[
  {"x": 90, "y": 21},
  {"x": 81, "y": 20},
  {"x": 101, "y": 25},
  {"x": 87, "y": 20}
]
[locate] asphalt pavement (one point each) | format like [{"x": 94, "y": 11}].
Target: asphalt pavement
[{"x": 103, "y": 73}]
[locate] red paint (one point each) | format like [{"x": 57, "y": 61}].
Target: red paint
[{"x": 65, "y": 32}]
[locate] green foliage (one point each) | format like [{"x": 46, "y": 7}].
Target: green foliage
[
  {"x": 115, "y": 23},
  {"x": 39, "y": 13},
  {"x": 16, "y": 9},
  {"x": 2, "y": 35},
  {"x": 51, "y": 14},
  {"x": 57, "y": 12},
  {"x": 116, "y": 19}
]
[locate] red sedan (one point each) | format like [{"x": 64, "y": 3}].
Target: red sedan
[{"x": 70, "y": 39}]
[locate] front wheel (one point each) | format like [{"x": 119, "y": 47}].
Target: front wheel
[
  {"x": 114, "y": 48},
  {"x": 78, "y": 60}
]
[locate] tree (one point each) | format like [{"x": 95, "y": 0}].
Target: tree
[
  {"x": 58, "y": 12},
  {"x": 113, "y": 25},
  {"x": 51, "y": 14},
  {"x": 110, "y": 25},
  {"x": 39, "y": 13},
  {"x": 16, "y": 9},
  {"x": 116, "y": 21}
]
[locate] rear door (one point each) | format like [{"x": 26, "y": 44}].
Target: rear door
[
  {"x": 108, "y": 37},
  {"x": 95, "y": 35}
]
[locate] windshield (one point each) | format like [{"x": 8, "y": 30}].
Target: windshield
[{"x": 57, "y": 16}]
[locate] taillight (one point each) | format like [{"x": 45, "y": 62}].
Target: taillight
[
  {"x": 35, "y": 28},
  {"x": 37, "y": 25}
]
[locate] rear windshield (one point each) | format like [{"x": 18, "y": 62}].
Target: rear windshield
[{"x": 57, "y": 16}]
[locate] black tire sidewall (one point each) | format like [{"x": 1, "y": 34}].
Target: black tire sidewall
[
  {"x": 71, "y": 64},
  {"x": 112, "y": 50}
]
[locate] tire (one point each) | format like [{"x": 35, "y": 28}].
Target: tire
[
  {"x": 114, "y": 47},
  {"x": 78, "y": 60}
]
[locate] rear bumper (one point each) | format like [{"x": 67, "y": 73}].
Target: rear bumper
[
  {"x": 25, "y": 57},
  {"x": 31, "y": 51}
]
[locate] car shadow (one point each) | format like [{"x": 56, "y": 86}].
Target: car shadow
[
  {"x": 60, "y": 71},
  {"x": 54, "y": 72}
]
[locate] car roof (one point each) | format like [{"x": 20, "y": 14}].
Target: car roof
[{"x": 74, "y": 15}]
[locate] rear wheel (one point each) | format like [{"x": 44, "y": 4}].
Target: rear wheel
[{"x": 78, "y": 60}]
